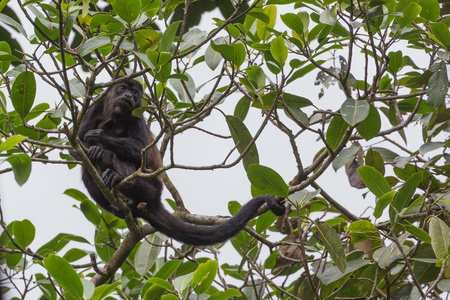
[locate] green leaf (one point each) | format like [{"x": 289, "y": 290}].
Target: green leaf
[
  {"x": 410, "y": 12},
  {"x": 104, "y": 290},
  {"x": 440, "y": 236},
  {"x": 261, "y": 30},
  {"x": 406, "y": 192},
  {"x": 11, "y": 22},
  {"x": 168, "y": 36},
  {"x": 267, "y": 180},
  {"x": 213, "y": 58},
  {"x": 395, "y": 60},
  {"x": 329, "y": 16},
  {"x": 344, "y": 157},
  {"x": 293, "y": 21},
  {"x": 354, "y": 111},
  {"x": 225, "y": 295},
  {"x": 242, "y": 139},
  {"x": 441, "y": 33},
  {"x": 168, "y": 269},
  {"x": 374, "y": 181},
  {"x": 74, "y": 254},
  {"x": 333, "y": 245},
  {"x": 93, "y": 43},
  {"x": 264, "y": 221},
  {"x": 161, "y": 283},
  {"x": 425, "y": 148},
  {"x": 303, "y": 71},
  {"x": 279, "y": 49},
  {"x": 147, "y": 39},
  {"x": 128, "y": 10},
  {"x": 146, "y": 254},
  {"x": 295, "y": 113},
  {"x": 158, "y": 58},
  {"x": 64, "y": 275},
  {"x": 361, "y": 226},
  {"x": 430, "y": 10},
  {"x": 370, "y": 127},
  {"x": 239, "y": 54},
  {"x": 382, "y": 203},
  {"x": 418, "y": 233},
  {"x": 76, "y": 194},
  {"x": 333, "y": 273},
  {"x": 386, "y": 255},
  {"x": 91, "y": 212},
  {"x": 11, "y": 142},
  {"x": 21, "y": 164},
  {"x": 242, "y": 107},
  {"x": 24, "y": 233},
  {"x": 204, "y": 276},
  {"x": 375, "y": 160},
  {"x": 5, "y": 56},
  {"x": 23, "y": 93},
  {"x": 227, "y": 51},
  {"x": 336, "y": 131},
  {"x": 58, "y": 242},
  {"x": 438, "y": 84}
]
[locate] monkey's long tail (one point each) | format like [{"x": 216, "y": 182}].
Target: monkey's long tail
[{"x": 197, "y": 235}]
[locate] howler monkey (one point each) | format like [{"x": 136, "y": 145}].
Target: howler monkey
[{"x": 115, "y": 138}]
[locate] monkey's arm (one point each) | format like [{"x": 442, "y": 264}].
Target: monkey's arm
[{"x": 125, "y": 149}]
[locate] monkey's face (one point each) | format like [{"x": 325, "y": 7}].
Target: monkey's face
[{"x": 124, "y": 97}]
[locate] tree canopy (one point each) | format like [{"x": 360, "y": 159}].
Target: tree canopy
[{"x": 383, "y": 64}]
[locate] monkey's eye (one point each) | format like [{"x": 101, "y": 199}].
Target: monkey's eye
[{"x": 134, "y": 91}]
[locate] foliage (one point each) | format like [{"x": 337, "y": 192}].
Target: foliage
[{"x": 387, "y": 59}]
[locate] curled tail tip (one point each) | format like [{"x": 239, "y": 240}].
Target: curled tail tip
[{"x": 276, "y": 207}]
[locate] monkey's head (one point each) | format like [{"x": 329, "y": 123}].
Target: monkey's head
[{"x": 123, "y": 97}]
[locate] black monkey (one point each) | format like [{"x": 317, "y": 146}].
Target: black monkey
[{"x": 115, "y": 139}]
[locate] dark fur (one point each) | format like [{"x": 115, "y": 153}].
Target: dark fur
[{"x": 115, "y": 139}]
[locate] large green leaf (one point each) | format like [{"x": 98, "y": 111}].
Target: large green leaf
[
  {"x": 128, "y": 10},
  {"x": 336, "y": 131},
  {"x": 440, "y": 236},
  {"x": 410, "y": 12},
  {"x": 21, "y": 164},
  {"x": 11, "y": 142},
  {"x": 93, "y": 43},
  {"x": 23, "y": 93},
  {"x": 279, "y": 49},
  {"x": 438, "y": 84},
  {"x": 361, "y": 226},
  {"x": 382, "y": 203},
  {"x": 267, "y": 180},
  {"x": 64, "y": 275},
  {"x": 90, "y": 211},
  {"x": 333, "y": 245},
  {"x": 406, "y": 192},
  {"x": 261, "y": 26},
  {"x": 293, "y": 21},
  {"x": 430, "y": 10},
  {"x": 354, "y": 111},
  {"x": 212, "y": 57},
  {"x": 146, "y": 254},
  {"x": 374, "y": 181},
  {"x": 441, "y": 33},
  {"x": 242, "y": 139},
  {"x": 225, "y": 295},
  {"x": 24, "y": 232},
  {"x": 204, "y": 276},
  {"x": 168, "y": 36}
]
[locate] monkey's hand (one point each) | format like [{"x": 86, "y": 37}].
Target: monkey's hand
[
  {"x": 95, "y": 136},
  {"x": 111, "y": 178},
  {"x": 96, "y": 154}
]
